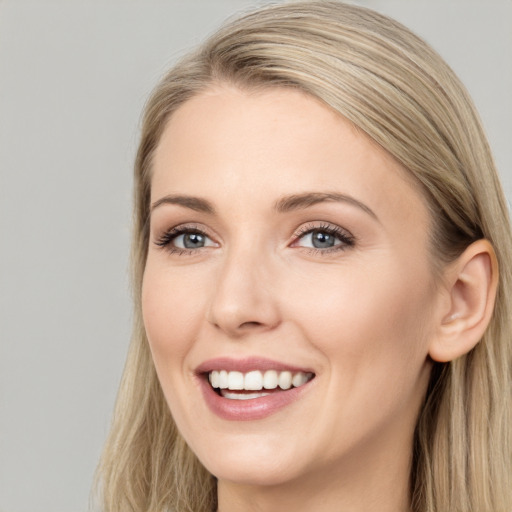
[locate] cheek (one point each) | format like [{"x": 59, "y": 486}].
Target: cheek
[
  {"x": 370, "y": 315},
  {"x": 171, "y": 313},
  {"x": 170, "y": 316},
  {"x": 372, "y": 328}
]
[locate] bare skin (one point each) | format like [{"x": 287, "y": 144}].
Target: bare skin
[{"x": 237, "y": 269}]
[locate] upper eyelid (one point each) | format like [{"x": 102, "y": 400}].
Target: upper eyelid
[
  {"x": 319, "y": 225},
  {"x": 184, "y": 227},
  {"x": 175, "y": 231}
]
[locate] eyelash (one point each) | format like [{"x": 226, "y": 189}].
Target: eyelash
[
  {"x": 346, "y": 239},
  {"x": 166, "y": 239}
]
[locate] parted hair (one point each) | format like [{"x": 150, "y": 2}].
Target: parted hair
[{"x": 394, "y": 87}]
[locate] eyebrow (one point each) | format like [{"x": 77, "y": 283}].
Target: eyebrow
[
  {"x": 194, "y": 203},
  {"x": 283, "y": 205},
  {"x": 302, "y": 201}
]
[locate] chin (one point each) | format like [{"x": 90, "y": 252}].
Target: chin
[
  {"x": 258, "y": 462},
  {"x": 253, "y": 473}
]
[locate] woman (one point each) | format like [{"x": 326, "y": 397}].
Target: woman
[{"x": 321, "y": 280}]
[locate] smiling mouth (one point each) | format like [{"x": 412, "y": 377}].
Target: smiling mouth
[{"x": 236, "y": 385}]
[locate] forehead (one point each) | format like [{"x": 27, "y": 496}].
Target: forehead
[{"x": 237, "y": 146}]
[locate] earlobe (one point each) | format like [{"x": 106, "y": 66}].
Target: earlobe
[{"x": 471, "y": 282}]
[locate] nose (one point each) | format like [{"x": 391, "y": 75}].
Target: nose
[{"x": 245, "y": 297}]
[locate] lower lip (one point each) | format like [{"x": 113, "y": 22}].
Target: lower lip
[{"x": 252, "y": 409}]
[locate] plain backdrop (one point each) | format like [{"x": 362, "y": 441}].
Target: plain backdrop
[{"x": 74, "y": 76}]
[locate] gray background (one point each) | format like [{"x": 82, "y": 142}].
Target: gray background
[{"x": 73, "y": 78}]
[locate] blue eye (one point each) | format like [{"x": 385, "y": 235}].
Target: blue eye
[
  {"x": 319, "y": 240},
  {"x": 191, "y": 241},
  {"x": 324, "y": 238},
  {"x": 184, "y": 239}
]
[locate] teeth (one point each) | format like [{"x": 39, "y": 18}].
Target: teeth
[
  {"x": 242, "y": 396},
  {"x": 223, "y": 379},
  {"x": 256, "y": 381},
  {"x": 270, "y": 379},
  {"x": 235, "y": 380},
  {"x": 253, "y": 381},
  {"x": 285, "y": 380},
  {"x": 299, "y": 379}
]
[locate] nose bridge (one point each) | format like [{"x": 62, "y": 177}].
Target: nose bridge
[{"x": 244, "y": 297}]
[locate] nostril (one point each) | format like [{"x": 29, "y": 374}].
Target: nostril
[{"x": 250, "y": 324}]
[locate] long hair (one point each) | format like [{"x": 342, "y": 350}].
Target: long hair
[{"x": 391, "y": 85}]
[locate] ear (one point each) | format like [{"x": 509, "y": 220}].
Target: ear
[{"x": 471, "y": 282}]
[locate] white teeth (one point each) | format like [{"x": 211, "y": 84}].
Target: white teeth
[
  {"x": 242, "y": 396},
  {"x": 223, "y": 379},
  {"x": 256, "y": 381},
  {"x": 270, "y": 379},
  {"x": 299, "y": 379},
  {"x": 253, "y": 381},
  {"x": 235, "y": 380},
  {"x": 214, "y": 379},
  {"x": 285, "y": 380}
]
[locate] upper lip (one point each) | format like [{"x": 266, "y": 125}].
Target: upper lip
[{"x": 247, "y": 364}]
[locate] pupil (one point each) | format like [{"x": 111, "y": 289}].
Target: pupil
[
  {"x": 322, "y": 240},
  {"x": 193, "y": 240}
]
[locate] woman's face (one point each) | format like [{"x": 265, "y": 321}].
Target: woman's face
[{"x": 286, "y": 248}]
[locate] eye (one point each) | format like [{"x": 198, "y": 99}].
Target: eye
[
  {"x": 192, "y": 240},
  {"x": 319, "y": 240},
  {"x": 185, "y": 239},
  {"x": 324, "y": 238}
]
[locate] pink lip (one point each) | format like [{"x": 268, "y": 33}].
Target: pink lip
[
  {"x": 246, "y": 365},
  {"x": 253, "y": 409}
]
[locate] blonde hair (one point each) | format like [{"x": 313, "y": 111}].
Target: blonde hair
[{"x": 395, "y": 88}]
